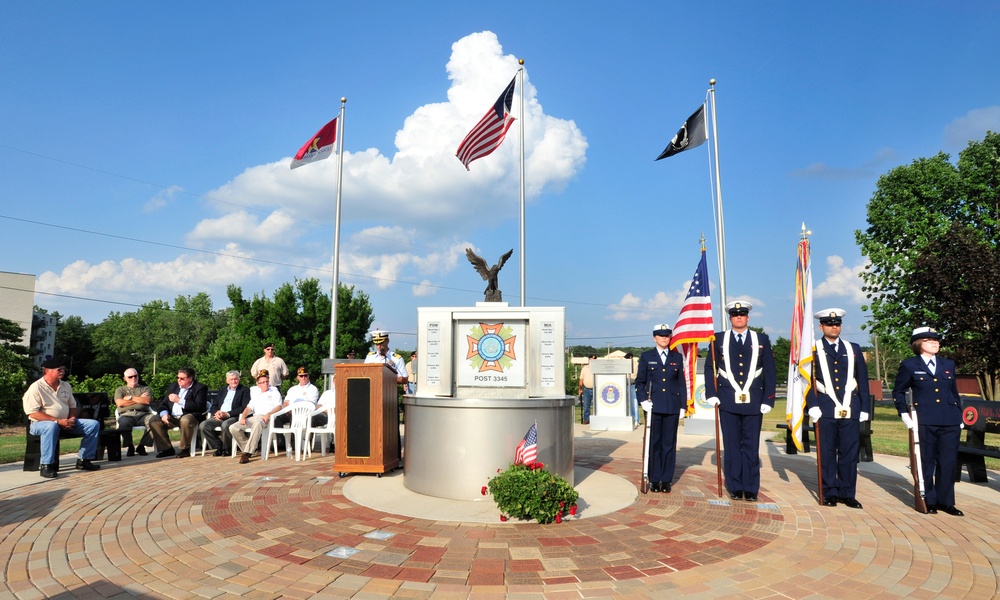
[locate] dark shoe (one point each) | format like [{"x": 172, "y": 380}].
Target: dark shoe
[
  {"x": 244, "y": 458},
  {"x": 654, "y": 487},
  {"x": 218, "y": 452},
  {"x": 931, "y": 510},
  {"x": 141, "y": 451},
  {"x": 587, "y": 422},
  {"x": 165, "y": 453},
  {"x": 737, "y": 495},
  {"x": 185, "y": 453},
  {"x": 48, "y": 471},
  {"x": 130, "y": 451},
  {"x": 749, "y": 497},
  {"x": 665, "y": 487},
  {"x": 86, "y": 465},
  {"x": 851, "y": 502},
  {"x": 830, "y": 500},
  {"x": 951, "y": 510}
]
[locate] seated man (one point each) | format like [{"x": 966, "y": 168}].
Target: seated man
[
  {"x": 50, "y": 406},
  {"x": 305, "y": 391},
  {"x": 265, "y": 400},
  {"x": 133, "y": 401},
  {"x": 225, "y": 410},
  {"x": 184, "y": 406}
]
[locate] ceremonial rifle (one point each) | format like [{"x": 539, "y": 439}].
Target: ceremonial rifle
[
  {"x": 819, "y": 462},
  {"x": 644, "y": 484},
  {"x": 916, "y": 467}
]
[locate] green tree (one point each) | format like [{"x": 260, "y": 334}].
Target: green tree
[
  {"x": 921, "y": 217},
  {"x": 74, "y": 338},
  {"x": 15, "y": 365}
]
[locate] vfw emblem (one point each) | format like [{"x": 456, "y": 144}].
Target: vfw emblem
[{"x": 491, "y": 347}]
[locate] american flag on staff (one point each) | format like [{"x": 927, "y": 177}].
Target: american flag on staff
[
  {"x": 488, "y": 134},
  {"x": 694, "y": 325},
  {"x": 527, "y": 450}
]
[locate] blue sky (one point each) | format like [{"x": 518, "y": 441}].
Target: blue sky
[{"x": 145, "y": 148}]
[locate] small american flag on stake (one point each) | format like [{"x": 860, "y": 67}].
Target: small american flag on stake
[{"x": 527, "y": 450}]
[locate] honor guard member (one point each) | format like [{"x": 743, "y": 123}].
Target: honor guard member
[
  {"x": 382, "y": 355},
  {"x": 740, "y": 380},
  {"x": 939, "y": 416},
  {"x": 838, "y": 403},
  {"x": 660, "y": 387}
]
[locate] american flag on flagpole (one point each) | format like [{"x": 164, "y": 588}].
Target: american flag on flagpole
[
  {"x": 488, "y": 134},
  {"x": 527, "y": 450},
  {"x": 694, "y": 325}
]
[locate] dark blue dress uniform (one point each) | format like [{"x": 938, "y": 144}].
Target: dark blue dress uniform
[
  {"x": 939, "y": 416},
  {"x": 839, "y": 433},
  {"x": 741, "y": 421},
  {"x": 662, "y": 383}
]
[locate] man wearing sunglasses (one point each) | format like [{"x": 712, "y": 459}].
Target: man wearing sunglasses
[
  {"x": 133, "y": 401},
  {"x": 184, "y": 406}
]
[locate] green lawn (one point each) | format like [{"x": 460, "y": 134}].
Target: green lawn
[{"x": 12, "y": 441}]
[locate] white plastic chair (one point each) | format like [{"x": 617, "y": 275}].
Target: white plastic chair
[
  {"x": 246, "y": 429},
  {"x": 327, "y": 403},
  {"x": 300, "y": 419}
]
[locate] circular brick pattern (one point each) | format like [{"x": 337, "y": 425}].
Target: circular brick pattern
[{"x": 304, "y": 519}]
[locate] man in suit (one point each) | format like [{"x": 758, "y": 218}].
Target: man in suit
[
  {"x": 740, "y": 379},
  {"x": 838, "y": 403},
  {"x": 939, "y": 416},
  {"x": 660, "y": 387},
  {"x": 184, "y": 406},
  {"x": 225, "y": 410}
]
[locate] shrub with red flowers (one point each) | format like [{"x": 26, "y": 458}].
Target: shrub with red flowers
[{"x": 531, "y": 492}]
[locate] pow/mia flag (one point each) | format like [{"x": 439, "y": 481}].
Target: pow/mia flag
[{"x": 692, "y": 134}]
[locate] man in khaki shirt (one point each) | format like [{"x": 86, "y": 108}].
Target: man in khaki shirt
[{"x": 50, "y": 406}]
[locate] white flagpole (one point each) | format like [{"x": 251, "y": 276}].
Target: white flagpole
[
  {"x": 521, "y": 73},
  {"x": 720, "y": 230},
  {"x": 336, "y": 232}
]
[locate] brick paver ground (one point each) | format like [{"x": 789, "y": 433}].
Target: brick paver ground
[{"x": 210, "y": 528}]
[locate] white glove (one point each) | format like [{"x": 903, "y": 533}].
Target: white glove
[
  {"x": 713, "y": 401},
  {"x": 907, "y": 420},
  {"x": 863, "y": 416},
  {"x": 961, "y": 425},
  {"x": 815, "y": 413},
  {"x": 646, "y": 406},
  {"x": 764, "y": 409},
  {"x": 683, "y": 412}
]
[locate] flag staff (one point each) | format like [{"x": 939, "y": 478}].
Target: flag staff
[
  {"x": 521, "y": 73},
  {"x": 720, "y": 230},
  {"x": 336, "y": 232}
]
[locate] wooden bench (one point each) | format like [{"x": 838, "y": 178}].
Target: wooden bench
[
  {"x": 980, "y": 417},
  {"x": 864, "y": 445},
  {"x": 89, "y": 405}
]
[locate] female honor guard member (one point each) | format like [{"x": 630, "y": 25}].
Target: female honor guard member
[
  {"x": 838, "y": 403},
  {"x": 660, "y": 387},
  {"x": 740, "y": 380},
  {"x": 939, "y": 416}
]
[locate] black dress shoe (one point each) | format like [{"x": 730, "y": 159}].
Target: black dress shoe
[
  {"x": 654, "y": 487},
  {"x": 86, "y": 465},
  {"x": 218, "y": 452},
  {"x": 830, "y": 500},
  {"x": 749, "y": 497},
  {"x": 665, "y": 488},
  {"x": 737, "y": 495},
  {"x": 166, "y": 453},
  {"x": 851, "y": 502},
  {"x": 951, "y": 510},
  {"x": 931, "y": 510},
  {"x": 48, "y": 471},
  {"x": 141, "y": 451},
  {"x": 185, "y": 453},
  {"x": 245, "y": 458},
  {"x": 130, "y": 451}
]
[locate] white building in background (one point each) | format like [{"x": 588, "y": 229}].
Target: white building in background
[
  {"x": 17, "y": 301},
  {"x": 43, "y": 338}
]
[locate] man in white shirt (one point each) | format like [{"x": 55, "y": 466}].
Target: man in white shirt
[
  {"x": 225, "y": 410},
  {"x": 382, "y": 355},
  {"x": 265, "y": 400}
]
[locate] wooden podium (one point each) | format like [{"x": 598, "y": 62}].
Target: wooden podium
[{"x": 367, "y": 417}]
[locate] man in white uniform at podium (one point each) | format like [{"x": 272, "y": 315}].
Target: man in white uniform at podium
[{"x": 382, "y": 355}]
